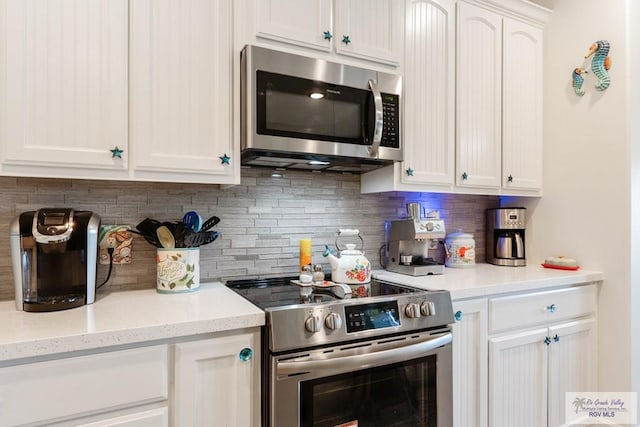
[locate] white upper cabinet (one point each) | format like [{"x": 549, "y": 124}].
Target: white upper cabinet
[
  {"x": 472, "y": 108},
  {"x": 429, "y": 97},
  {"x": 479, "y": 97},
  {"x": 369, "y": 30},
  {"x": 428, "y": 103},
  {"x": 522, "y": 106},
  {"x": 181, "y": 89},
  {"x": 63, "y": 96},
  {"x": 117, "y": 89},
  {"x": 302, "y": 23}
]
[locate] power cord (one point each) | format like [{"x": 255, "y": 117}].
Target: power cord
[{"x": 110, "y": 251}]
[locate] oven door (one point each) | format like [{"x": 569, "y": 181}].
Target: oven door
[{"x": 393, "y": 381}]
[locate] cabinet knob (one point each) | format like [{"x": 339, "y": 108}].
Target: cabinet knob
[
  {"x": 224, "y": 159},
  {"x": 409, "y": 172},
  {"x": 328, "y": 35},
  {"x": 464, "y": 176},
  {"x": 116, "y": 153},
  {"x": 547, "y": 340},
  {"x": 551, "y": 308},
  {"x": 346, "y": 40},
  {"x": 246, "y": 354},
  {"x": 510, "y": 178},
  {"x": 556, "y": 338},
  {"x": 458, "y": 316}
]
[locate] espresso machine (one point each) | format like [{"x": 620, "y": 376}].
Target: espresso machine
[
  {"x": 411, "y": 243},
  {"x": 54, "y": 258},
  {"x": 505, "y": 236}
]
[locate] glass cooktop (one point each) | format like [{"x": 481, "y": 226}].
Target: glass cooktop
[{"x": 279, "y": 291}]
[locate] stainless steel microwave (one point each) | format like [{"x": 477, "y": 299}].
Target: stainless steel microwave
[{"x": 304, "y": 113}]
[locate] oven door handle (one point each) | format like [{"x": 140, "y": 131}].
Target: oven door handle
[{"x": 362, "y": 361}]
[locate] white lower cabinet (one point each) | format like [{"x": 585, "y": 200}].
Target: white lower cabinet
[
  {"x": 470, "y": 363},
  {"x": 140, "y": 417},
  {"x": 76, "y": 387},
  {"x": 205, "y": 382},
  {"x": 532, "y": 366},
  {"x": 515, "y": 357},
  {"x": 217, "y": 382}
]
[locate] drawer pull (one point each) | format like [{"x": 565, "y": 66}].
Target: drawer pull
[
  {"x": 547, "y": 340},
  {"x": 551, "y": 308},
  {"x": 556, "y": 338},
  {"x": 458, "y": 316},
  {"x": 246, "y": 354}
]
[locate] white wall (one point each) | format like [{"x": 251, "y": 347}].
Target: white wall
[
  {"x": 633, "y": 116},
  {"x": 586, "y": 209}
]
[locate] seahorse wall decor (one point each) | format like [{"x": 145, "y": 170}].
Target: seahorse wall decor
[
  {"x": 600, "y": 65},
  {"x": 578, "y": 80}
]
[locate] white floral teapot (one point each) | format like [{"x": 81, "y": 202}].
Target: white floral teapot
[{"x": 351, "y": 267}]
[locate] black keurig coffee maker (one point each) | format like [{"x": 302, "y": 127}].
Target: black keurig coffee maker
[{"x": 54, "y": 256}]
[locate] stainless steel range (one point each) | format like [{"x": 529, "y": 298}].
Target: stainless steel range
[{"x": 380, "y": 356}]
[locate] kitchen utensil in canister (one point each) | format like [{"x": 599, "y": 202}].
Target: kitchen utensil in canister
[
  {"x": 165, "y": 237},
  {"x": 192, "y": 221}
]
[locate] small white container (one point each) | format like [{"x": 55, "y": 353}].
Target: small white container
[{"x": 461, "y": 250}]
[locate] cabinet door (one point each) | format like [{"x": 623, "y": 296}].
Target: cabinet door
[
  {"x": 63, "y": 90},
  {"x": 214, "y": 386},
  {"x": 370, "y": 29},
  {"x": 572, "y": 364},
  {"x": 479, "y": 97},
  {"x": 302, "y": 23},
  {"x": 429, "y": 92},
  {"x": 518, "y": 380},
  {"x": 158, "y": 417},
  {"x": 83, "y": 385},
  {"x": 470, "y": 352},
  {"x": 182, "y": 89},
  {"x": 522, "y": 106}
]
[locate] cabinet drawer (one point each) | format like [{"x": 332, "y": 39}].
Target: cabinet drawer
[
  {"x": 539, "y": 308},
  {"x": 54, "y": 389}
]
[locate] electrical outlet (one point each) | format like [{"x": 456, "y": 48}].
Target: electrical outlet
[{"x": 118, "y": 238}]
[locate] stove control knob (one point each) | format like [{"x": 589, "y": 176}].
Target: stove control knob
[
  {"x": 428, "y": 308},
  {"x": 333, "y": 321},
  {"x": 313, "y": 324},
  {"x": 412, "y": 310}
]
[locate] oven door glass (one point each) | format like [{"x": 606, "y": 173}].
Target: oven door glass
[
  {"x": 310, "y": 110},
  {"x": 402, "y": 394}
]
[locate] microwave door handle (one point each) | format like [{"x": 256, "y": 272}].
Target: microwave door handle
[
  {"x": 379, "y": 123},
  {"x": 330, "y": 366}
]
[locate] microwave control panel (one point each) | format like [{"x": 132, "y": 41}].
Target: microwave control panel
[{"x": 391, "y": 121}]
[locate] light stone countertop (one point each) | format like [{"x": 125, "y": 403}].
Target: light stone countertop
[
  {"x": 487, "y": 279},
  {"x": 125, "y": 317},
  {"x": 130, "y": 317}
]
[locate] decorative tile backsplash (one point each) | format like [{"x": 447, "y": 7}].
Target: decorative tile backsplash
[{"x": 263, "y": 219}]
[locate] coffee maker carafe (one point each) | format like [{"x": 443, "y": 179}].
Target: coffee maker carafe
[
  {"x": 54, "y": 257},
  {"x": 505, "y": 236}
]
